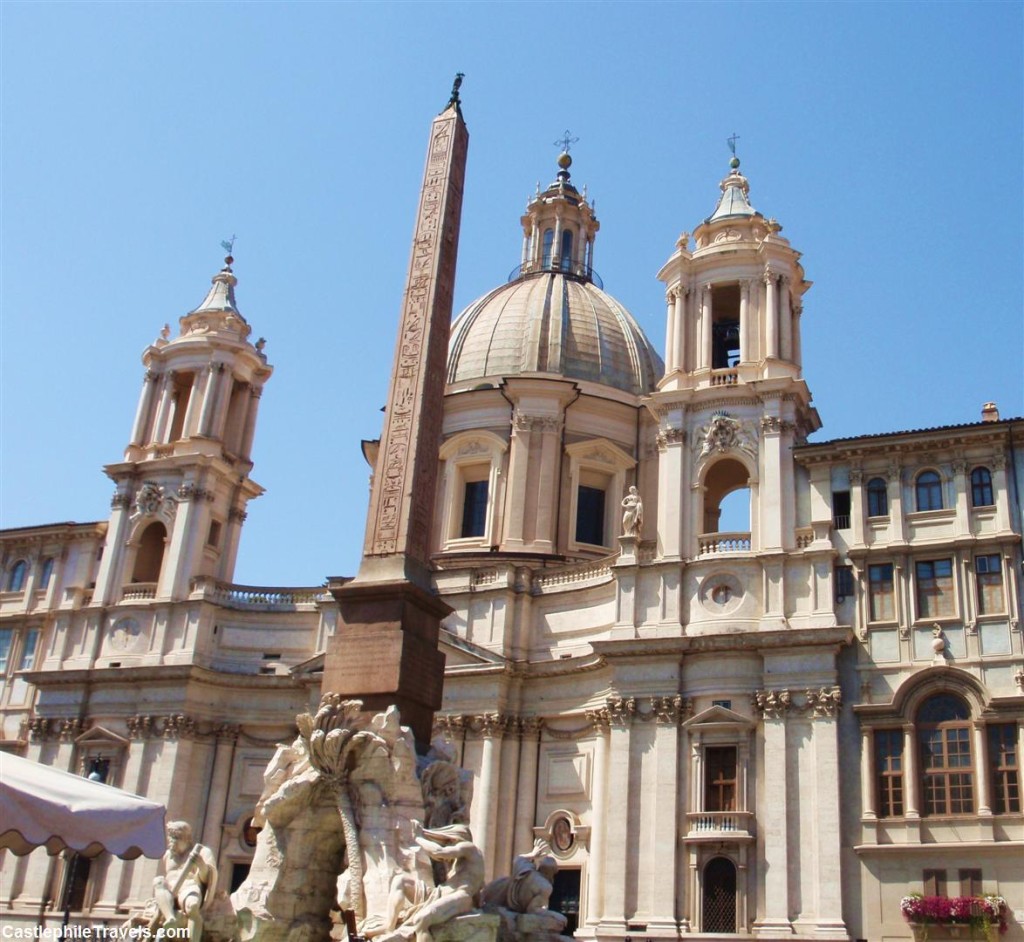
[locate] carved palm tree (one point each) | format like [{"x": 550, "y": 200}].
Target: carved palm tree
[{"x": 335, "y": 742}]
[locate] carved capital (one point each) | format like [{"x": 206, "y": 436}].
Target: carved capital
[
  {"x": 227, "y": 732},
  {"x": 670, "y": 436},
  {"x": 856, "y": 475},
  {"x": 599, "y": 719},
  {"x": 773, "y": 704},
  {"x": 70, "y": 728},
  {"x": 39, "y": 728},
  {"x": 960, "y": 466},
  {"x": 237, "y": 514},
  {"x": 824, "y": 702},
  {"x": 529, "y": 727},
  {"x": 621, "y": 710},
  {"x": 671, "y": 710},
  {"x": 998, "y": 462},
  {"x": 451, "y": 726},
  {"x": 193, "y": 492},
  {"x": 140, "y": 727},
  {"x": 120, "y": 500},
  {"x": 772, "y": 423},
  {"x": 490, "y": 725},
  {"x": 178, "y": 726}
]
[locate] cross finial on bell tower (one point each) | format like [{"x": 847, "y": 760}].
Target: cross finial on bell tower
[{"x": 566, "y": 141}]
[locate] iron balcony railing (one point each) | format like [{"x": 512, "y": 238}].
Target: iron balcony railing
[{"x": 565, "y": 266}]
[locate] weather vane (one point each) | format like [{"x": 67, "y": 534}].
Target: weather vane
[
  {"x": 732, "y": 142},
  {"x": 565, "y": 141},
  {"x": 229, "y": 246}
]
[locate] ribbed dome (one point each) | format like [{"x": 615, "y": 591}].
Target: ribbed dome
[{"x": 552, "y": 322}]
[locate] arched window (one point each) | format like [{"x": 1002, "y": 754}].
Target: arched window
[
  {"x": 549, "y": 239},
  {"x": 566, "y": 262},
  {"x": 727, "y": 499},
  {"x": 878, "y": 498},
  {"x": 947, "y": 770},
  {"x": 981, "y": 488},
  {"x": 719, "y": 896},
  {"x": 150, "y": 556},
  {"x": 45, "y": 572},
  {"x": 16, "y": 579},
  {"x": 929, "y": 491}
]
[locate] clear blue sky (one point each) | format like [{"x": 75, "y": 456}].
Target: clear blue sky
[{"x": 885, "y": 137}]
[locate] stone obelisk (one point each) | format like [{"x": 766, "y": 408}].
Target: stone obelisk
[{"x": 385, "y": 649}]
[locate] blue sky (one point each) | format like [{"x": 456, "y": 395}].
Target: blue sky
[{"x": 134, "y": 137}]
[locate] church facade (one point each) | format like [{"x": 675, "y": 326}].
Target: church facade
[{"x": 742, "y": 683}]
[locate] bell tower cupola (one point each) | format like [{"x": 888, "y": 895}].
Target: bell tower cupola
[
  {"x": 734, "y": 298},
  {"x": 183, "y": 486},
  {"x": 559, "y": 227}
]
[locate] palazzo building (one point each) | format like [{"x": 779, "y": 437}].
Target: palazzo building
[{"x": 788, "y": 695}]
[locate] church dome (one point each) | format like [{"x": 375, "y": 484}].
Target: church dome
[
  {"x": 552, "y": 322},
  {"x": 553, "y": 316}
]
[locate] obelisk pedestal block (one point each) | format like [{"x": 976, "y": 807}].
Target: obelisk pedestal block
[{"x": 386, "y": 651}]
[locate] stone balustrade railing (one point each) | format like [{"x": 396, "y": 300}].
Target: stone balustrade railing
[
  {"x": 259, "y": 598},
  {"x": 715, "y": 823},
  {"x": 724, "y": 377},
  {"x": 804, "y": 537},
  {"x": 587, "y": 572},
  {"x": 714, "y": 543},
  {"x": 138, "y": 592}
]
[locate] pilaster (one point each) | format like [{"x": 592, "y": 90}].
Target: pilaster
[{"x": 773, "y": 816}]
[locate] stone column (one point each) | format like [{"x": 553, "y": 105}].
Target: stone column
[
  {"x": 598, "y": 820},
  {"x": 857, "y": 506},
  {"x": 245, "y": 449},
  {"x": 491, "y": 728},
  {"x": 911, "y": 783},
  {"x": 218, "y": 427},
  {"x": 670, "y": 485},
  {"x": 526, "y": 792},
  {"x": 144, "y": 408},
  {"x": 556, "y": 244},
  {"x": 774, "y": 704},
  {"x": 506, "y": 845},
  {"x": 164, "y": 406},
  {"x": 210, "y": 393},
  {"x": 981, "y": 763},
  {"x": 666, "y": 812},
  {"x": 798, "y": 357},
  {"x": 1000, "y": 493},
  {"x": 518, "y": 470},
  {"x": 824, "y": 705},
  {"x": 868, "y": 774},
  {"x": 107, "y": 579},
  {"x": 706, "y": 328},
  {"x": 894, "y": 476},
  {"x": 671, "y": 330},
  {"x": 785, "y": 320},
  {"x": 545, "y": 536},
  {"x": 771, "y": 315},
  {"x": 681, "y": 327},
  {"x": 745, "y": 321},
  {"x": 194, "y": 405},
  {"x": 220, "y": 782},
  {"x": 962, "y": 524},
  {"x": 616, "y": 852}
]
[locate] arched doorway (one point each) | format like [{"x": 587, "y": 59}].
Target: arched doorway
[{"x": 719, "y": 896}]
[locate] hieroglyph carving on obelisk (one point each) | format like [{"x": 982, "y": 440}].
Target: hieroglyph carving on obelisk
[{"x": 401, "y": 503}]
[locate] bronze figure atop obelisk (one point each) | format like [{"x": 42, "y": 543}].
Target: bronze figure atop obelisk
[{"x": 385, "y": 650}]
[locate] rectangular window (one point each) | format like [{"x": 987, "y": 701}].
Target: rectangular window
[
  {"x": 213, "y": 537},
  {"x": 889, "y": 772},
  {"x": 844, "y": 583},
  {"x": 474, "y": 509},
  {"x": 947, "y": 776},
  {"x": 841, "y": 510},
  {"x": 28, "y": 650},
  {"x": 880, "y": 591},
  {"x": 1005, "y": 771},
  {"x": 720, "y": 778},
  {"x": 934, "y": 882},
  {"x": 934, "y": 588},
  {"x": 970, "y": 882},
  {"x": 989, "y": 573},
  {"x": 6, "y": 637},
  {"x": 590, "y": 515}
]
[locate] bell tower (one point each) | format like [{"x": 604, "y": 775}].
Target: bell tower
[
  {"x": 733, "y": 401},
  {"x": 183, "y": 486}
]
